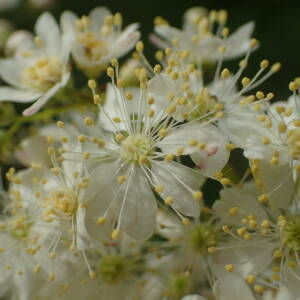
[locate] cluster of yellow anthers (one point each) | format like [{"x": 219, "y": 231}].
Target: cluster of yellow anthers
[{"x": 95, "y": 42}]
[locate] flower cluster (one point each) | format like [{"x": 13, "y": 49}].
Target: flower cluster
[{"x": 108, "y": 195}]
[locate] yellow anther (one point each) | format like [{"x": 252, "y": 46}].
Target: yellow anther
[
  {"x": 179, "y": 151},
  {"x": 114, "y": 62},
  {"x": 139, "y": 46},
  {"x": 64, "y": 139},
  {"x": 211, "y": 250},
  {"x": 259, "y": 289},
  {"x": 186, "y": 221},
  {"x": 163, "y": 132},
  {"x": 260, "y": 95},
  {"x": 150, "y": 100},
  {"x": 265, "y": 140},
  {"x": 277, "y": 253},
  {"x": 291, "y": 264},
  {"x": 157, "y": 69},
  {"x": 81, "y": 139},
  {"x": 92, "y": 84},
  {"x": 229, "y": 268},
  {"x": 37, "y": 268},
  {"x": 193, "y": 143},
  {"x": 225, "y": 228},
  {"x": 264, "y": 64},
  {"x": 293, "y": 86},
  {"x": 169, "y": 200},
  {"x": 110, "y": 72},
  {"x": 171, "y": 109},
  {"x": 122, "y": 179},
  {"x": 169, "y": 157},
  {"x": 270, "y": 96},
  {"x": 159, "y": 55},
  {"x": 225, "y": 181},
  {"x": 247, "y": 236},
  {"x": 274, "y": 160},
  {"x": 120, "y": 83},
  {"x": 250, "y": 278},
  {"x": 225, "y": 74},
  {"x": 201, "y": 146},
  {"x": 263, "y": 198},
  {"x": 241, "y": 231},
  {"x": 92, "y": 275},
  {"x": 233, "y": 211},
  {"x": 97, "y": 99},
  {"x": 253, "y": 43},
  {"x": 52, "y": 255},
  {"x": 115, "y": 234},
  {"x": 230, "y": 146},
  {"x": 159, "y": 189},
  {"x": 101, "y": 221},
  {"x": 225, "y": 32},
  {"x": 88, "y": 121},
  {"x": 150, "y": 113},
  {"x": 55, "y": 171},
  {"x": 276, "y": 67},
  {"x": 86, "y": 155},
  {"x": 265, "y": 224},
  {"x": 51, "y": 277},
  {"x": 60, "y": 124},
  {"x": 129, "y": 96},
  {"x": 117, "y": 120},
  {"x": 198, "y": 195},
  {"x": 119, "y": 137},
  {"x": 245, "y": 81},
  {"x": 50, "y": 139}
]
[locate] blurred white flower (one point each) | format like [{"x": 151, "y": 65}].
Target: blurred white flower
[
  {"x": 38, "y": 72},
  {"x": 99, "y": 38},
  {"x": 200, "y": 37}
]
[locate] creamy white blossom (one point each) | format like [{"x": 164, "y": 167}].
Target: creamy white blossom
[
  {"x": 99, "y": 38},
  {"x": 39, "y": 71}
]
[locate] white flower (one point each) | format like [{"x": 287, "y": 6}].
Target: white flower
[
  {"x": 277, "y": 141},
  {"x": 193, "y": 242},
  {"x": 266, "y": 238},
  {"x": 201, "y": 39},
  {"x": 99, "y": 38},
  {"x": 136, "y": 159},
  {"x": 228, "y": 112},
  {"x": 41, "y": 70},
  {"x": 24, "y": 260}
]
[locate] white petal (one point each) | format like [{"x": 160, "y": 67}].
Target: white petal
[
  {"x": 14, "y": 95},
  {"x": 244, "y": 199},
  {"x": 232, "y": 287},
  {"x": 11, "y": 70},
  {"x": 139, "y": 215},
  {"x": 179, "y": 182},
  {"x": 97, "y": 16},
  {"x": 83, "y": 239},
  {"x": 47, "y": 29},
  {"x": 193, "y": 297}
]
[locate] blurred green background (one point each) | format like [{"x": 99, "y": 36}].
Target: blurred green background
[{"x": 277, "y": 25}]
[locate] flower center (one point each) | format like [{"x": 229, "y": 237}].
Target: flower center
[
  {"x": 202, "y": 104},
  {"x": 291, "y": 233},
  {"x": 294, "y": 142},
  {"x": 202, "y": 237},
  {"x": 136, "y": 148},
  {"x": 43, "y": 75},
  {"x": 94, "y": 48},
  {"x": 61, "y": 203},
  {"x": 115, "y": 268},
  {"x": 20, "y": 228}
]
